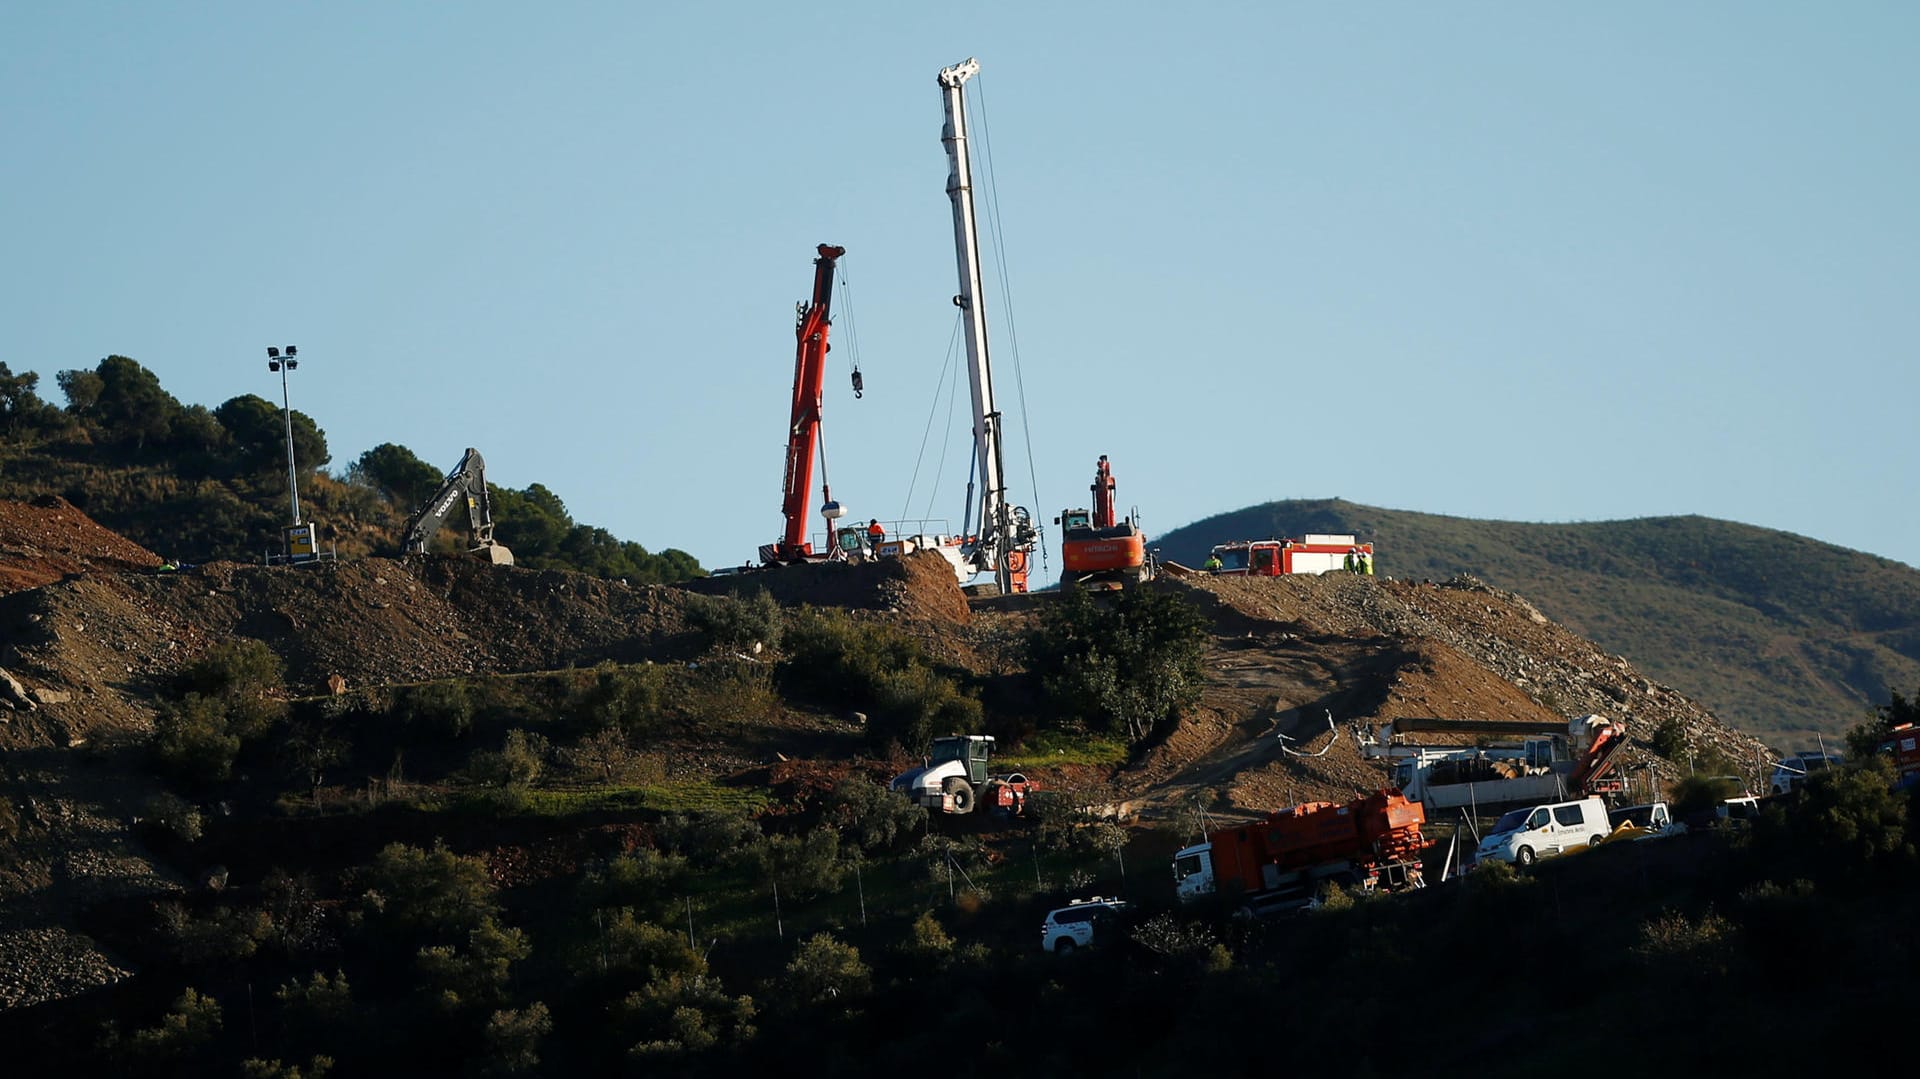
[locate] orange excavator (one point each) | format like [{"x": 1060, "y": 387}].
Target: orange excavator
[{"x": 1098, "y": 548}]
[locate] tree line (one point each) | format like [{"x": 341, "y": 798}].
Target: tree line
[{"x": 202, "y": 484}]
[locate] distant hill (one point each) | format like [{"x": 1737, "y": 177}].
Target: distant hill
[{"x": 1782, "y": 636}]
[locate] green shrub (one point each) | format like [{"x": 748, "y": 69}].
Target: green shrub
[
  {"x": 1670, "y": 740},
  {"x": 1127, "y": 666},
  {"x": 474, "y": 972},
  {"x": 632, "y": 945},
  {"x": 193, "y": 1022},
  {"x": 517, "y": 763},
  {"x": 732, "y": 691},
  {"x": 646, "y": 880},
  {"x": 737, "y": 622},
  {"x": 1698, "y": 793},
  {"x": 257, "y": 1068},
  {"x": 437, "y": 709},
  {"x": 173, "y": 815},
  {"x": 195, "y": 740},
  {"x": 710, "y": 838},
  {"x": 241, "y": 664},
  {"x": 804, "y": 865},
  {"x": 221, "y": 936},
  {"x": 429, "y": 893},
  {"x": 318, "y": 1006},
  {"x": 630, "y": 699},
  {"x": 677, "y": 1014},
  {"x": 828, "y": 971},
  {"x": 511, "y": 1043},
  {"x": 1851, "y": 819},
  {"x": 1700, "y": 948},
  {"x": 870, "y": 816},
  {"x": 927, "y": 938}
]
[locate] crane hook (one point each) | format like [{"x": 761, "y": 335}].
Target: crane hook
[{"x": 859, "y": 384}]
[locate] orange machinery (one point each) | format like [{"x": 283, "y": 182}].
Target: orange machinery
[{"x": 1098, "y": 548}]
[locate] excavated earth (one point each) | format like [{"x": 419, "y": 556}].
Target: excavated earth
[{"x": 1295, "y": 667}]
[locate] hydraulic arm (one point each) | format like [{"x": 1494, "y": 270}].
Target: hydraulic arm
[{"x": 467, "y": 482}]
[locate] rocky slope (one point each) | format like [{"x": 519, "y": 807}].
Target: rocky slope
[{"x": 93, "y": 633}]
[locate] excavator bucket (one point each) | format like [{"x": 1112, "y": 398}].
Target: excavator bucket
[{"x": 494, "y": 553}]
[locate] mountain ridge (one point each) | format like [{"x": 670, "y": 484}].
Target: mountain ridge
[{"x": 1787, "y": 637}]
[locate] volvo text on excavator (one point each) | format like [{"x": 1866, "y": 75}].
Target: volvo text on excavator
[
  {"x": 1098, "y": 549},
  {"x": 469, "y": 479}
]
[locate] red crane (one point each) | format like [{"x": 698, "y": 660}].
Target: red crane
[{"x": 809, "y": 374}]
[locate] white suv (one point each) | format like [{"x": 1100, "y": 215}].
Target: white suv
[
  {"x": 1792, "y": 772},
  {"x": 1075, "y": 925}
]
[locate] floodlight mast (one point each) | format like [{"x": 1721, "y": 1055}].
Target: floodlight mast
[
  {"x": 1005, "y": 532},
  {"x": 276, "y": 363}
]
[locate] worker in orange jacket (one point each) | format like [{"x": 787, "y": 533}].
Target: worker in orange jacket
[{"x": 875, "y": 534}]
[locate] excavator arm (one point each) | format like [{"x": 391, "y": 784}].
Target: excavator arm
[{"x": 466, "y": 483}]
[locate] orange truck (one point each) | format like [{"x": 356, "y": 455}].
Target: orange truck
[{"x": 1281, "y": 861}]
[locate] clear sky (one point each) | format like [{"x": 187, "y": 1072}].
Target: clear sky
[{"x": 1524, "y": 261}]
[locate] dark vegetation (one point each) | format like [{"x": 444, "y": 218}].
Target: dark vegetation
[
  {"x": 199, "y": 485},
  {"x": 540, "y": 873},
  {"x": 1130, "y": 663},
  {"x": 1780, "y": 635},
  {"x": 463, "y": 924}
]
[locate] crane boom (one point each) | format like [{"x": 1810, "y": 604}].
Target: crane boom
[
  {"x": 1006, "y": 531},
  {"x": 803, "y": 429}
]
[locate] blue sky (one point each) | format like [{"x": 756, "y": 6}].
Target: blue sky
[{"x": 1538, "y": 262}]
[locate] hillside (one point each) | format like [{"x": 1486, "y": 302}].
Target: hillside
[
  {"x": 96, "y": 647},
  {"x": 1779, "y": 635}
]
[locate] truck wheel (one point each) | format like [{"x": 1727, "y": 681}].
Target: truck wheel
[
  {"x": 1523, "y": 856},
  {"x": 1595, "y": 841},
  {"x": 962, "y": 794},
  {"x": 1063, "y": 946}
]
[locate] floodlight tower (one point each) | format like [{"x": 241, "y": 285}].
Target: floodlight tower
[{"x": 276, "y": 362}]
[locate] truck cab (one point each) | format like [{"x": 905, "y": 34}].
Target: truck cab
[{"x": 1193, "y": 872}]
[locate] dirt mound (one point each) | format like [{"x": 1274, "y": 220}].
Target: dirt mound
[
  {"x": 47, "y": 539},
  {"x": 1299, "y": 662},
  {"x": 109, "y": 643},
  {"x": 920, "y": 586}
]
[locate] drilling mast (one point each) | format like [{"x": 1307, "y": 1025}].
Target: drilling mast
[{"x": 1006, "y": 537}]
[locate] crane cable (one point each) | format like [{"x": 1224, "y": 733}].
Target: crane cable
[
  {"x": 853, "y": 339},
  {"x": 906, "y": 504},
  {"x": 1006, "y": 301}
]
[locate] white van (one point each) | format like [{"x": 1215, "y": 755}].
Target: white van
[{"x": 1527, "y": 835}]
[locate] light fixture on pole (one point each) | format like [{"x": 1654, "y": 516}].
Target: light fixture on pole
[{"x": 276, "y": 362}]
